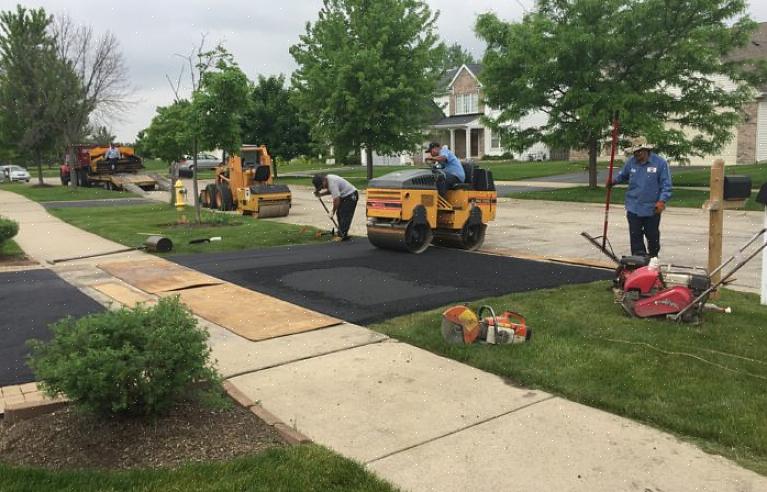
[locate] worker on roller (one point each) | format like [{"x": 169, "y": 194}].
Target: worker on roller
[
  {"x": 112, "y": 155},
  {"x": 649, "y": 180},
  {"x": 451, "y": 166},
  {"x": 345, "y": 198}
]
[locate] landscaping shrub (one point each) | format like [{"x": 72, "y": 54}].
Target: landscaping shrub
[
  {"x": 8, "y": 229},
  {"x": 133, "y": 361}
]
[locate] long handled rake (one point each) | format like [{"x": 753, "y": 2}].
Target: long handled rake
[{"x": 603, "y": 247}]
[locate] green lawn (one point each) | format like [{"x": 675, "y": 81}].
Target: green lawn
[
  {"x": 122, "y": 224},
  {"x": 707, "y": 383},
  {"x": 63, "y": 193},
  {"x": 701, "y": 176},
  {"x": 515, "y": 170},
  {"x": 9, "y": 249},
  {"x": 305, "y": 468},
  {"x": 583, "y": 194},
  {"x": 502, "y": 171}
]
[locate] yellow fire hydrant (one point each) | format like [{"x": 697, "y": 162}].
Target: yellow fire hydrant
[{"x": 180, "y": 195}]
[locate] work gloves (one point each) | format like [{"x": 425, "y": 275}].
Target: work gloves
[{"x": 659, "y": 207}]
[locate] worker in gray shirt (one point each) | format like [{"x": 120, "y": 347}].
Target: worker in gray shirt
[{"x": 345, "y": 198}]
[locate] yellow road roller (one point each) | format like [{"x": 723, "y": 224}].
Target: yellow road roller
[
  {"x": 245, "y": 183},
  {"x": 405, "y": 212}
]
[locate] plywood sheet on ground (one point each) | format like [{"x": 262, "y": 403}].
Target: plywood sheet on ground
[
  {"x": 250, "y": 314},
  {"x": 123, "y": 294},
  {"x": 156, "y": 275}
]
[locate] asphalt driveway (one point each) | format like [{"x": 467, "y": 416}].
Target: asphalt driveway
[
  {"x": 359, "y": 283},
  {"x": 30, "y": 300}
]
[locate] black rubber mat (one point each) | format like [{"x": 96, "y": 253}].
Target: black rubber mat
[
  {"x": 356, "y": 282},
  {"x": 30, "y": 300}
]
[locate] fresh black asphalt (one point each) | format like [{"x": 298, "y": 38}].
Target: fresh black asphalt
[
  {"x": 30, "y": 300},
  {"x": 357, "y": 282}
]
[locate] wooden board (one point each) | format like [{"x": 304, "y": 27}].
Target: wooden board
[
  {"x": 124, "y": 295},
  {"x": 250, "y": 314},
  {"x": 157, "y": 275}
]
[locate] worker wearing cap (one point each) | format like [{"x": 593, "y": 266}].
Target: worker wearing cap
[
  {"x": 345, "y": 198},
  {"x": 649, "y": 180},
  {"x": 452, "y": 167}
]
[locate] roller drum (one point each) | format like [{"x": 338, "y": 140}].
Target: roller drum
[
  {"x": 273, "y": 208},
  {"x": 410, "y": 237},
  {"x": 469, "y": 238}
]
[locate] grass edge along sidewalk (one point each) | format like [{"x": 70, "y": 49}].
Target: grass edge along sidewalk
[
  {"x": 56, "y": 193},
  {"x": 130, "y": 227},
  {"x": 306, "y": 467},
  {"x": 583, "y": 194},
  {"x": 706, "y": 384}
]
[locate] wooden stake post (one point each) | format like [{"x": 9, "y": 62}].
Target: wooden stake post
[{"x": 716, "y": 221}]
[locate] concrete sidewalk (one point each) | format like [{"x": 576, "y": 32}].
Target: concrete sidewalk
[
  {"x": 422, "y": 421},
  {"x": 45, "y": 238}
]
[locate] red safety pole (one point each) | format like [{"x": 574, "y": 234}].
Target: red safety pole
[{"x": 616, "y": 125}]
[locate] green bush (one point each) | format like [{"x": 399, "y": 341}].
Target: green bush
[
  {"x": 133, "y": 361},
  {"x": 8, "y": 229}
]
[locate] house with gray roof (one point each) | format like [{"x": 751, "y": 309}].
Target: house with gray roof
[{"x": 461, "y": 127}]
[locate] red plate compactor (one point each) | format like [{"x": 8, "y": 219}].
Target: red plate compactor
[{"x": 646, "y": 289}]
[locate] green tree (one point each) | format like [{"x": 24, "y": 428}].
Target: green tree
[
  {"x": 655, "y": 61},
  {"x": 367, "y": 72},
  {"x": 454, "y": 56},
  {"x": 272, "y": 119},
  {"x": 101, "y": 135},
  {"x": 38, "y": 90},
  {"x": 169, "y": 136},
  {"x": 218, "y": 106}
]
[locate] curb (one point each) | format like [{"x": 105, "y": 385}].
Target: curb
[
  {"x": 288, "y": 434},
  {"x": 16, "y": 412}
]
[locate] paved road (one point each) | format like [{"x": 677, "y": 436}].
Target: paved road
[
  {"x": 552, "y": 229},
  {"x": 357, "y": 282},
  {"x": 30, "y": 300}
]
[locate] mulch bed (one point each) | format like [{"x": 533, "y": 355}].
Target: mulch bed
[
  {"x": 15, "y": 261},
  {"x": 189, "y": 433}
]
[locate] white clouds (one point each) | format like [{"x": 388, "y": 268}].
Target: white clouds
[{"x": 258, "y": 33}]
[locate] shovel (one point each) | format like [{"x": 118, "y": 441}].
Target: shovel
[{"x": 335, "y": 224}]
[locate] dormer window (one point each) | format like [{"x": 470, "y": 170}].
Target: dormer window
[{"x": 467, "y": 103}]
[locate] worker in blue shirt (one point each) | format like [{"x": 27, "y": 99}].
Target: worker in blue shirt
[
  {"x": 649, "y": 180},
  {"x": 451, "y": 166}
]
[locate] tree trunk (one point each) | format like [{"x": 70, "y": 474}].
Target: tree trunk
[
  {"x": 197, "y": 211},
  {"x": 71, "y": 158},
  {"x": 593, "y": 149},
  {"x": 274, "y": 167},
  {"x": 369, "y": 158},
  {"x": 40, "y": 169}
]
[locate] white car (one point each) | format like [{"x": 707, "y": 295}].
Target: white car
[
  {"x": 204, "y": 161},
  {"x": 13, "y": 173}
]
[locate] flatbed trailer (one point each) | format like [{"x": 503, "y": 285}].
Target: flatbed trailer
[{"x": 88, "y": 167}]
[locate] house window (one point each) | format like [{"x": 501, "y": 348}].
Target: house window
[
  {"x": 495, "y": 139},
  {"x": 466, "y": 103}
]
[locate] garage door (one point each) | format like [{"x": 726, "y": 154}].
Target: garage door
[{"x": 761, "y": 133}]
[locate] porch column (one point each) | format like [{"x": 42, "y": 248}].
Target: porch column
[
  {"x": 468, "y": 143},
  {"x": 452, "y": 139}
]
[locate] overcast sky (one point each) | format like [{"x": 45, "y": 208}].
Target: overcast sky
[{"x": 257, "y": 32}]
